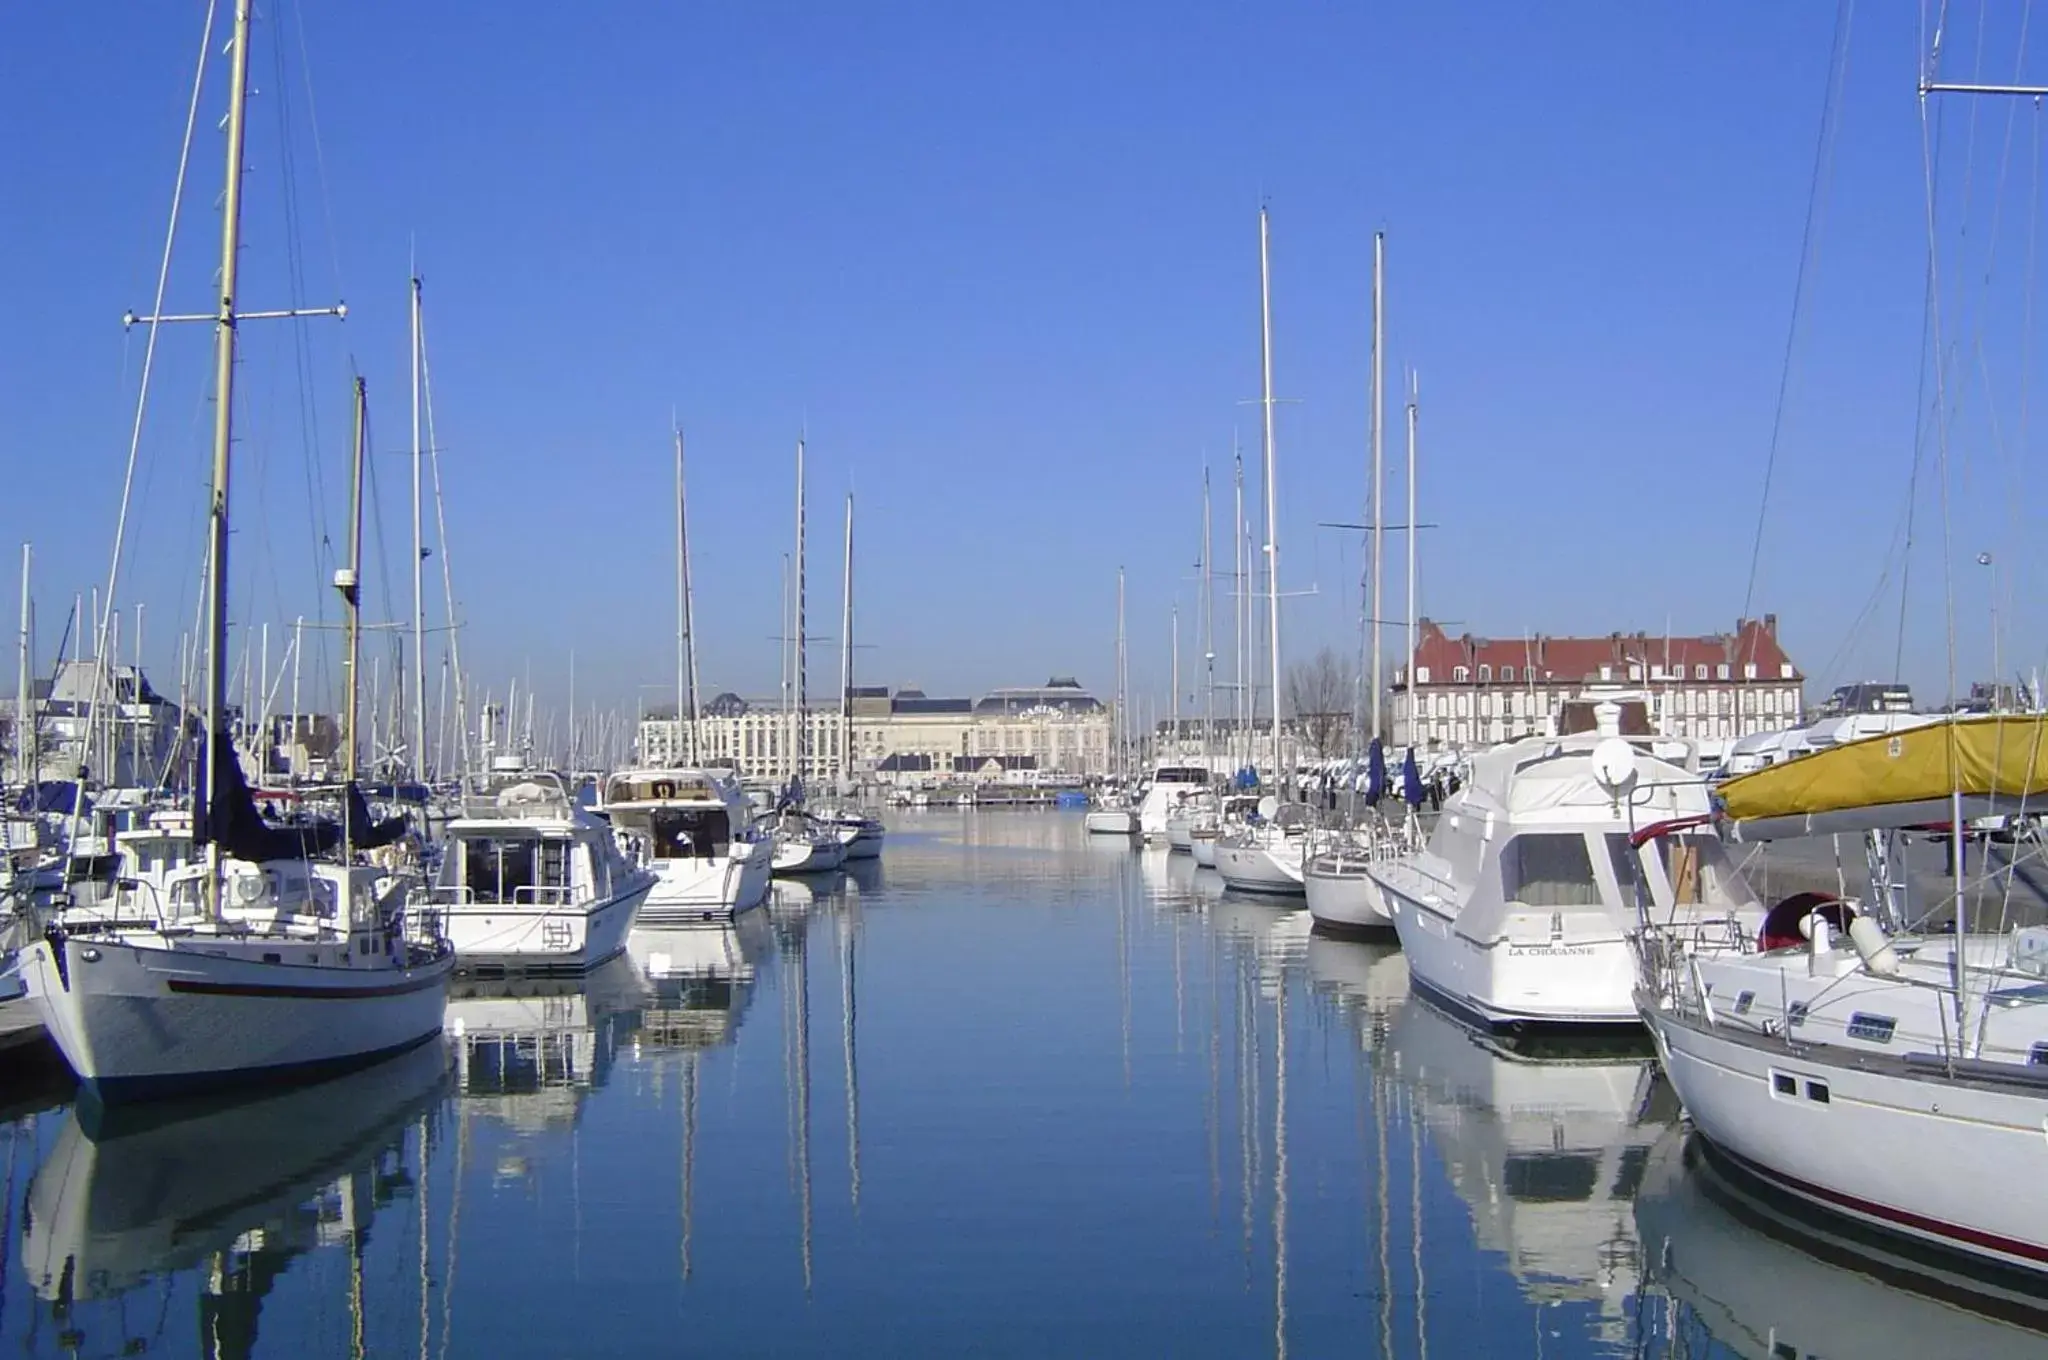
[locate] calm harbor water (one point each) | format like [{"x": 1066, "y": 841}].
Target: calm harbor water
[{"x": 1008, "y": 1092}]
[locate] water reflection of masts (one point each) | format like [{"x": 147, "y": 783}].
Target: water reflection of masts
[
  {"x": 799, "y": 1066},
  {"x": 1123, "y": 964},
  {"x": 689, "y": 1099},
  {"x": 1248, "y": 1077},
  {"x": 849, "y": 946},
  {"x": 1280, "y": 1168},
  {"x": 1380, "y": 1094},
  {"x": 1415, "y": 1229}
]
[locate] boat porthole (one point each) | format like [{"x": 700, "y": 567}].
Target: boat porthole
[{"x": 89, "y": 954}]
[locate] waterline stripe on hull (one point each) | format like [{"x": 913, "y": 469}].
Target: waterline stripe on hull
[
  {"x": 1972, "y": 1241},
  {"x": 283, "y": 992}
]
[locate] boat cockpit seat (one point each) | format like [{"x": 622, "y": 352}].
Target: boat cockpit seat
[{"x": 1780, "y": 929}]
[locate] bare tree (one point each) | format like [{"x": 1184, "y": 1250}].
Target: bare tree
[{"x": 1319, "y": 697}]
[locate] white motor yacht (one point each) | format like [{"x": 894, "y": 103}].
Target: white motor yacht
[
  {"x": 1266, "y": 856},
  {"x": 695, "y": 830},
  {"x": 532, "y": 882},
  {"x": 1163, "y": 796},
  {"x": 1519, "y": 911}
]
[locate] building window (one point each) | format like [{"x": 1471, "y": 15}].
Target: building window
[
  {"x": 1460, "y": 675},
  {"x": 1784, "y": 670},
  {"x": 1749, "y": 670},
  {"x": 1635, "y": 672},
  {"x": 1721, "y": 671},
  {"x": 1422, "y": 675},
  {"x": 1507, "y": 673},
  {"x": 1486, "y": 675},
  {"x": 1699, "y": 672}
]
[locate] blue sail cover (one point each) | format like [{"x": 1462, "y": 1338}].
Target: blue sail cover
[
  {"x": 1411, "y": 780},
  {"x": 1375, "y": 772}
]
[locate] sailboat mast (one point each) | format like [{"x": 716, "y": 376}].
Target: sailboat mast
[
  {"x": 846, "y": 655},
  {"x": 223, "y": 440},
  {"x": 803, "y": 735},
  {"x": 1173, "y": 708},
  {"x": 1414, "y": 398},
  {"x": 1123, "y": 696},
  {"x": 686, "y": 693},
  {"x": 24, "y": 705},
  {"x": 1272, "y": 502},
  {"x": 1208, "y": 633},
  {"x": 419, "y": 558},
  {"x": 349, "y": 580},
  {"x": 1240, "y": 749},
  {"x": 1379, "y": 524}
]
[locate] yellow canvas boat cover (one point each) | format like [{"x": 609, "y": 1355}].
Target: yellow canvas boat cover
[{"x": 1998, "y": 763}]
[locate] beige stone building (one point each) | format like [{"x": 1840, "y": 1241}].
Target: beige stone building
[{"x": 1050, "y": 731}]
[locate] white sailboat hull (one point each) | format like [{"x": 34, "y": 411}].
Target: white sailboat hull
[
  {"x": 143, "y": 1021},
  {"x": 1257, "y": 867},
  {"x": 1111, "y": 822},
  {"x": 709, "y": 888},
  {"x": 1203, "y": 848},
  {"x": 801, "y": 856},
  {"x": 1342, "y": 896},
  {"x": 543, "y": 937},
  {"x": 1911, "y": 1153}
]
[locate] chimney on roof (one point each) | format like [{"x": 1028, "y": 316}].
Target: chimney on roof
[{"x": 1771, "y": 627}]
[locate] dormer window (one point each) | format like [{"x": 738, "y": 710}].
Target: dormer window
[
  {"x": 1699, "y": 672},
  {"x": 1422, "y": 675},
  {"x": 1460, "y": 674},
  {"x": 1486, "y": 675},
  {"x": 1721, "y": 671},
  {"x": 1507, "y": 672}
]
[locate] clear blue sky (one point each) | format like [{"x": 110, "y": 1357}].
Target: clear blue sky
[{"x": 1001, "y": 261}]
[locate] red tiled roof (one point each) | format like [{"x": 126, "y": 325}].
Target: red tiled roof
[{"x": 1579, "y": 659}]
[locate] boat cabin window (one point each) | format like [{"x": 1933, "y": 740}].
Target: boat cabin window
[
  {"x": 689, "y": 833},
  {"x": 1695, "y": 868},
  {"x": 1549, "y": 869},
  {"x": 497, "y": 869},
  {"x": 1181, "y": 774}
]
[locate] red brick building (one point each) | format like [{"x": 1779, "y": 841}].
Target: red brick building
[{"x": 1473, "y": 691}]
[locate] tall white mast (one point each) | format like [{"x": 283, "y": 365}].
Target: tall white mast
[
  {"x": 1272, "y": 494},
  {"x": 349, "y": 581},
  {"x": 223, "y": 440},
  {"x": 1173, "y": 709},
  {"x": 686, "y": 630},
  {"x": 1240, "y": 745},
  {"x": 846, "y": 656},
  {"x": 24, "y": 705},
  {"x": 803, "y": 734},
  {"x": 1379, "y": 525},
  {"x": 419, "y": 559},
  {"x": 1123, "y": 697},
  {"x": 1414, "y": 399},
  {"x": 1208, "y": 632}
]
